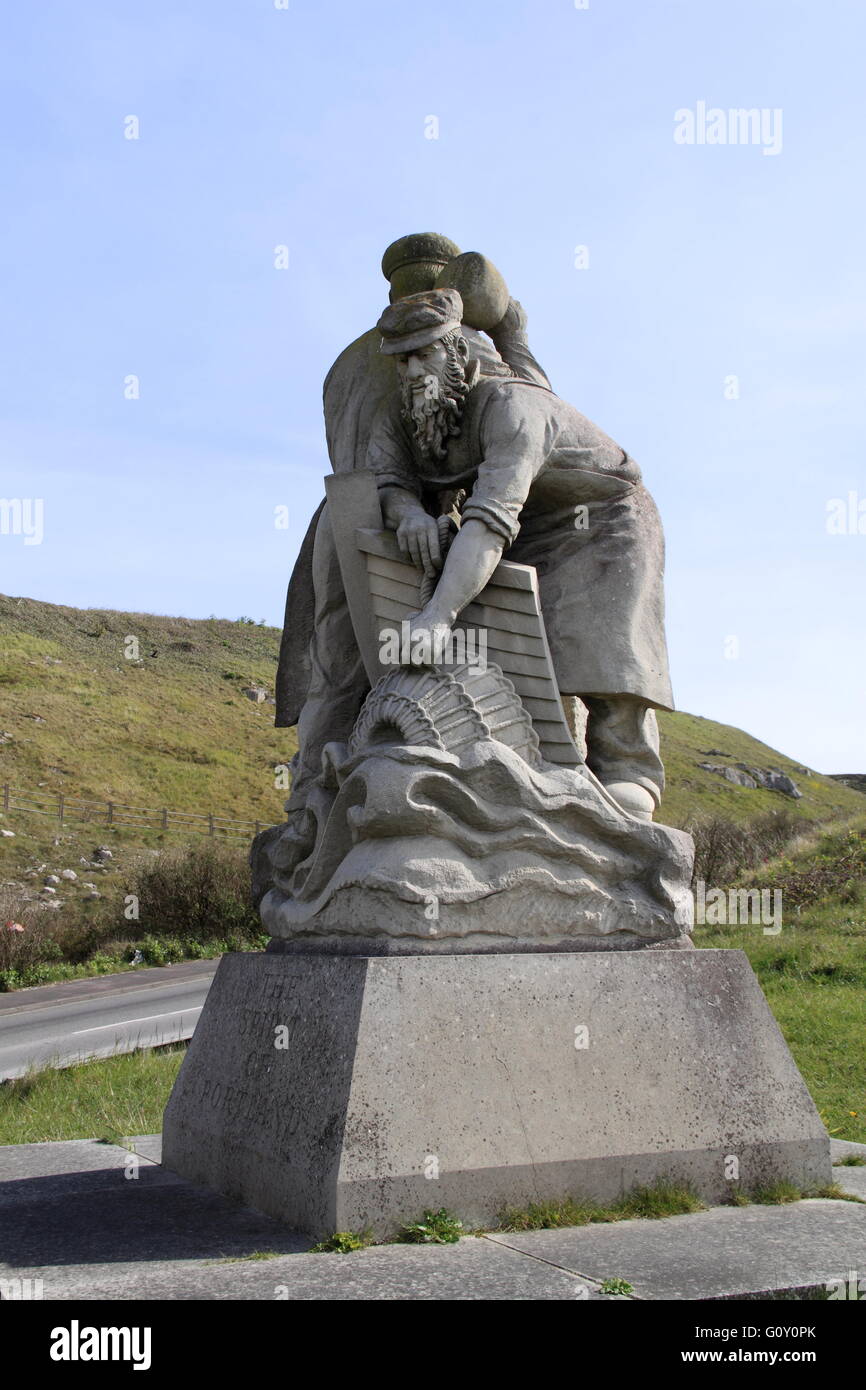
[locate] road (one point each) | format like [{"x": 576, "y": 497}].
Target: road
[{"x": 57, "y": 1025}]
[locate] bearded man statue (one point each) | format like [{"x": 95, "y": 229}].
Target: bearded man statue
[{"x": 536, "y": 482}]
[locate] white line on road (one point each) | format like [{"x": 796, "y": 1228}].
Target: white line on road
[{"x": 125, "y": 1022}]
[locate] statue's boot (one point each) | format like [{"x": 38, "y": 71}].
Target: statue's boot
[{"x": 633, "y": 798}]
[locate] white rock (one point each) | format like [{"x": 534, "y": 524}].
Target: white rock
[
  {"x": 69, "y": 874},
  {"x": 51, "y": 878}
]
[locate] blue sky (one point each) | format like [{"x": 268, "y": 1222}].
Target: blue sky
[{"x": 261, "y": 126}]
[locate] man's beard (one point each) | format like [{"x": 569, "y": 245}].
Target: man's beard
[{"x": 434, "y": 412}]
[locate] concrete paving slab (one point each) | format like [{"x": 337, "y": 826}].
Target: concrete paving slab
[
  {"x": 851, "y": 1180},
  {"x": 101, "y": 1216},
  {"x": 147, "y": 1146},
  {"x": 472, "y": 1270},
  {"x": 846, "y": 1148},
  {"x": 726, "y": 1252},
  {"x": 73, "y": 1156}
]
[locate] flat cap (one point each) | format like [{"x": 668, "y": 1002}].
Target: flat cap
[
  {"x": 419, "y": 320},
  {"x": 428, "y": 247}
]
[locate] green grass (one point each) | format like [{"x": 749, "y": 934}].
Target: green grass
[
  {"x": 780, "y": 1194},
  {"x": 110, "y": 1099},
  {"x": 650, "y": 1203},
  {"x": 814, "y": 972}
]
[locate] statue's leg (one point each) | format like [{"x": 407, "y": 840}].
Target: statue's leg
[
  {"x": 338, "y": 681},
  {"x": 622, "y": 749}
]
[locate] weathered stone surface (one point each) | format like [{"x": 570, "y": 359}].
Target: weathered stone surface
[
  {"x": 420, "y": 849},
  {"x": 744, "y": 775},
  {"x": 468, "y": 1082},
  {"x": 749, "y": 1252},
  {"x": 775, "y": 781},
  {"x": 459, "y": 814},
  {"x": 730, "y": 774},
  {"x": 481, "y": 287}
]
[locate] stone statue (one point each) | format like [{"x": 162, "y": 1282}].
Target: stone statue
[
  {"x": 476, "y": 975},
  {"x": 464, "y": 430}
]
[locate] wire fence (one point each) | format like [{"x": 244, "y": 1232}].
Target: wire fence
[{"x": 61, "y": 808}]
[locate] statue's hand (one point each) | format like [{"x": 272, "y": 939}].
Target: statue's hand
[
  {"x": 418, "y": 539},
  {"x": 429, "y": 635}
]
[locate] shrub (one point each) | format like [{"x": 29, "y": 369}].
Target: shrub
[
  {"x": 724, "y": 849},
  {"x": 201, "y": 892},
  {"x": 22, "y": 951}
]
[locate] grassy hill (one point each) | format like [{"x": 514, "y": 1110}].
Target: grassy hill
[
  {"x": 173, "y": 727},
  {"x": 687, "y": 740}
]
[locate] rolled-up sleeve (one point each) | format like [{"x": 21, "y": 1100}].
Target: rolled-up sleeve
[{"x": 515, "y": 442}]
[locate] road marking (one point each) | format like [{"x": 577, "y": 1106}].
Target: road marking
[
  {"x": 40, "y": 1005},
  {"x": 126, "y": 1022}
]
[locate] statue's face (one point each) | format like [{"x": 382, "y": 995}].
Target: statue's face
[
  {"x": 416, "y": 368},
  {"x": 432, "y": 388}
]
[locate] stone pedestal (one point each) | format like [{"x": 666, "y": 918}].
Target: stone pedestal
[{"x": 342, "y": 1093}]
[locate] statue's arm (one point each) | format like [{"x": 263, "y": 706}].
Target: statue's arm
[
  {"x": 514, "y": 439},
  {"x": 400, "y": 494},
  {"x": 475, "y": 552},
  {"x": 512, "y": 344},
  {"x": 417, "y": 531}
]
